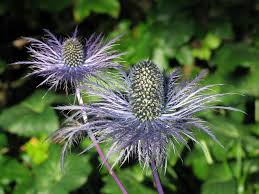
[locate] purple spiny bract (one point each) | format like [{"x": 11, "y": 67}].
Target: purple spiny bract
[
  {"x": 144, "y": 113},
  {"x": 68, "y": 62}
]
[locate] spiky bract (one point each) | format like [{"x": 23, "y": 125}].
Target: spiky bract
[
  {"x": 67, "y": 62},
  {"x": 140, "y": 128}
]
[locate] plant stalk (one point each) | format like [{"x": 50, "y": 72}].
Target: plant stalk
[
  {"x": 98, "y": 148},
  {"x": 156, "y": 178}
]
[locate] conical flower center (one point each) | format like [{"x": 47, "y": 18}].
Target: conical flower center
[
  {"x": 147, "y": 91},
  {"x": 72, "y": 53}
]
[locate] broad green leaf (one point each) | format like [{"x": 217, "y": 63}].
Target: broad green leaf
[
  {"x": 37, "y": 149},
  {"x": 249, "y": 84},
  {"x": 198, "y": 162},
  {"x": 219, "y": 172},
  {"x": 211, "y": 41},
  {"x": 33, "y": 116},
  {"x": 139, "y": 44},
  {"x": 25, "y": 122},
  {"x": 219, "y": 152},
  {"x": 220, "y": 187},
  {"x": 11, "y": 170},
  {"x": 200, "y": 168},
  {"x": 202, "y": 53},
  {"x": 176, "y": 32},
  {"x": 225, "y": 127},
  {"x": 184, "y": 56},
  {"x": 41, "y": 99},
  {"x": 232, "y": 55},
  {"x": 3, "y": 141},
  {"x": 254, "y": 128},
  {"x": 49, "y": 179},
  {"x": 83, "y": 8},
  {"x": 250, "y": 143}
]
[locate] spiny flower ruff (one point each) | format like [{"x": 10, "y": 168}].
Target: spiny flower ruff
[
  {"x": 144, "y": 113},
  {"x": 68, "y": 62}
]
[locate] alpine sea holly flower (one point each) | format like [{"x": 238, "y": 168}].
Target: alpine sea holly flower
[
  {"x": 67, "y": 62},
  {"x": 144, "y": 113}
]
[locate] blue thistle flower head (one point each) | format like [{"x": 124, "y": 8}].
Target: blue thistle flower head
[
  {"x": 67, "y": 62},
  {"x": 144, "y": 113}
]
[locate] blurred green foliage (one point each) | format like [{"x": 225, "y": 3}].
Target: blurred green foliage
[{"x": 221, "y": 36}]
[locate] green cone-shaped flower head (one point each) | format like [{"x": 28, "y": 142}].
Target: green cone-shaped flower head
[
  {"x": 73, "y": 52},
  {"x": 147, "y": 91}
]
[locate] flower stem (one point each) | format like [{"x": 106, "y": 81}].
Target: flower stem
[
  {"x": 98, "y": 148},
  {"x": 156, "y": 178}
]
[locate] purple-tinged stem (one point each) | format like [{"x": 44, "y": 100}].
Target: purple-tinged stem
[
  {"x": 98, "y": 148},
  {"x": 156, "y": 178}
]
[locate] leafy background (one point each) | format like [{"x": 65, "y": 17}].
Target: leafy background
[{"x": 221, "y": 36}]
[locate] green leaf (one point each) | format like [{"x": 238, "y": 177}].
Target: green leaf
[
  {"x": 222, "y": 187},
  {"x": 83, "y": 8},
  {"x": 3, "y": 140},
  {"x": 130, "y": 181},
  {"x": 219, "y": 172},
  {"x": 219, "y": 152},
  {"x": 198, "y": 162},
  {"x": 232, "y": 55},
  {"x": 176, "y": 32},
  {"x": 249, "y": 84},
  {"x": 211, "y": 41},
  {"x": 139, "y": 44},
  {"x": 250, "y": 142},
  {"x": 202, "y": 53},
  {"x": 255, "y": 128},
  {"x": 41, "y": 99},
  {"x": 200, "y": 168},
  {"x": 11, "y": 171},
  {"x": 33, "y": 116},
  {"x": 52, "y": 6},
  {"x": 184, "y": 56},
  {"x": 25, "y": 122},
  {"x": 49, "y": 179},
  {"x": 37, "y": 149}
]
